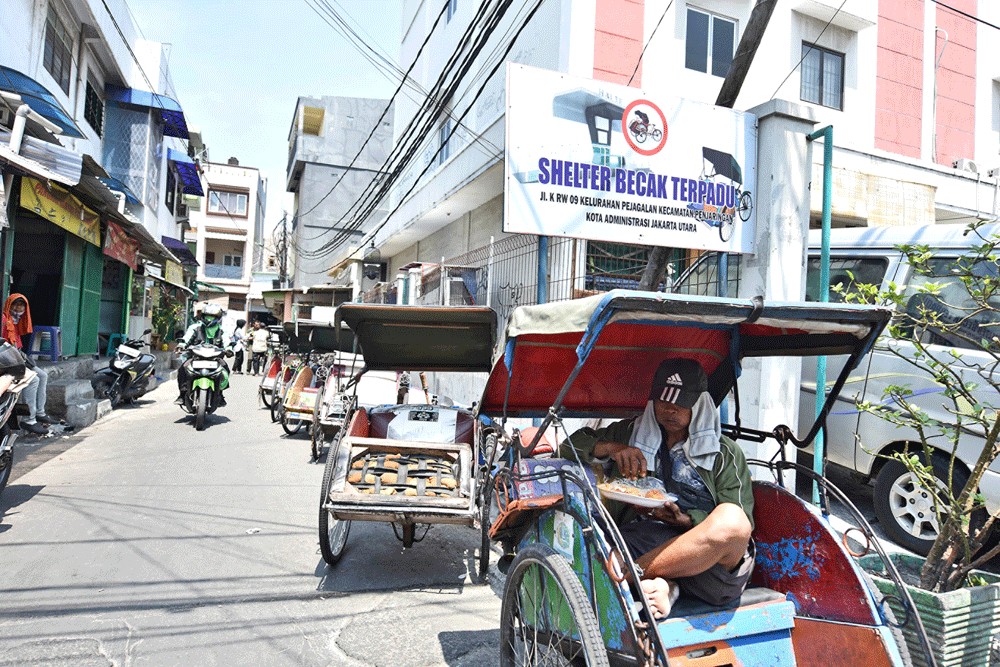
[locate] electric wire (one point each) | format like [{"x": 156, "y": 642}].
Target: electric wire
[
  {"x": 966, "y": 14},
  {"x": 418, "y": 129},
  {"x": 651, "y": 36},
  {"x": 373, "y": 232}
]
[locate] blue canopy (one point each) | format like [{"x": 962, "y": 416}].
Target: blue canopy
[
  {"x": 39, "y": 99},
  {"x": 187, "y": 171},
  {"x": 116, "y": 184},
  {"x": 174, "y": 124}
]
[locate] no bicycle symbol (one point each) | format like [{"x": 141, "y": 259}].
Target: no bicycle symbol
[{"x": 644, "y": 127}]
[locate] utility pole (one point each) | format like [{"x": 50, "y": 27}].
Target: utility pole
[
  {"x": 745, "y": 52},
  {"x": 282, "y": 251}
]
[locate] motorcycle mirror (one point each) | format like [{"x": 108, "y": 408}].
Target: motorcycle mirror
[{"x": 147, "y": 332}]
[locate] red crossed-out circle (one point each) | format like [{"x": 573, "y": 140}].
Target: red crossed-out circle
[{"x": 628, "y": 137}]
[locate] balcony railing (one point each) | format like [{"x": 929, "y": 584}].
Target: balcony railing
[{"x": 224, "y": 272}]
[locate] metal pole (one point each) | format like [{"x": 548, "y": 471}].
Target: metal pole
[
  {"x": 723, "y": 280},
  {"x": 819, "y": 453},
  {"x": 489, "y": 277},
  {"x": 542, "y": 293}
]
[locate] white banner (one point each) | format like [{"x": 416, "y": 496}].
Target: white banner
[{"x": 606, "y": 162}]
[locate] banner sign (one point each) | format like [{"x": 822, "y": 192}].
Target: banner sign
[
  {"x": 61, "y": 208},
  {"x": 173, "y": 273},
  {"x": 594, "y": 160},
  {"x": 118, "y": 245}
]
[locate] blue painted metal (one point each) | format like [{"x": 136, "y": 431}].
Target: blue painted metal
[
  {"x": 824, "y": 292},
  {"x": 542, "y": 289},
  {"x": 727, "y": 624}
]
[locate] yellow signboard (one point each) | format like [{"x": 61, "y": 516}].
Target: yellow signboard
[
  {"x": 173, "y": 273},
  {"x": 61, "y": 208}
]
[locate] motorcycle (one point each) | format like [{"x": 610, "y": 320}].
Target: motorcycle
[
  {"x": 127, "y": 376},
  {"x": 209, "y": 377},
  {"x": 10, "y": 409}
]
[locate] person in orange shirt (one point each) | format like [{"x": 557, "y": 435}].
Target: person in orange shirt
[{"x": 15, "y": 322}]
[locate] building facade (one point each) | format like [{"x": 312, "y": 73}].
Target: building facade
[
  {"x": 227, "y": 231},
  {"x": 336, "y": 149},
  {"x": 94, "y": 156}
]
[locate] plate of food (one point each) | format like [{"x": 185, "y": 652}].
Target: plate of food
[{"x": 647, "y": 492}]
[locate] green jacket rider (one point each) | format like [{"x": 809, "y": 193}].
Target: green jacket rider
[{"x": 206, "y": 329}]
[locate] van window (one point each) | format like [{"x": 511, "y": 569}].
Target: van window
[
  {"x": 702, "y": 279},
  {"x": 865, "y": 271},
  {"x": 953, "y": 304}
]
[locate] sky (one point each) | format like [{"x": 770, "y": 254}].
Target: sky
[{"x": 238, "y": 67}]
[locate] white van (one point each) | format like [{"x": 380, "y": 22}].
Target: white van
[{"x": 855, "y": 440}]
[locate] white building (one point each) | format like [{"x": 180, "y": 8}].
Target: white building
[{"x": 227, "y": 230}]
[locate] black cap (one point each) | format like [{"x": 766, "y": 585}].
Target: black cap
[{"x": 679, "y": 381}]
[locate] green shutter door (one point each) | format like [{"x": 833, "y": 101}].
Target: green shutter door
[
  {"x": 69, "y": 299},
  {"x": 90, "y": 299}
]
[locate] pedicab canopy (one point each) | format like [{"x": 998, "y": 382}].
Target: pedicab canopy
[
  {"x": 422, "y": 338},
  {"x": 614, "y": 342},
  {"x": 317, "y": 336}
]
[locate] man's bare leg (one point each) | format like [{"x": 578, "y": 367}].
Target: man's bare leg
[{"x": 721, "y": 539}]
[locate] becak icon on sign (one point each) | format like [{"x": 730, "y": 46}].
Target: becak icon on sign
[{"x": 644, "y": 127}]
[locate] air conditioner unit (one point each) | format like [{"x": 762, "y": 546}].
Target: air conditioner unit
[{"x": 965, "y": 164}]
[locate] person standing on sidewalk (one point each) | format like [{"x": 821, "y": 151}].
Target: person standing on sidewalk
[
  {"x": 258, "y": 346},
  {"x": 15, "y": 322},
  {"x": 239, "y": 344},
  {"x": 402, "y": 386}
]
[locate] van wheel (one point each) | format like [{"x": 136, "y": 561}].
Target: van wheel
[{"x": 905, "y": 509}]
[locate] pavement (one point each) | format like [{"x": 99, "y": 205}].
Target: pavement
[{"x": 142, "y": 540}]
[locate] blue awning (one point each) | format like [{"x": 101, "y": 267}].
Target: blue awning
[
  {"x": 39, "y": 99},
  {"x": 174, "y": 124},
  {"x": 116, "y": 184},
  {"x": 187, "y": 171},
  {"x": 180, "y": 249}
]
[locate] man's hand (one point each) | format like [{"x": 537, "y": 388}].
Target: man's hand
[
  {"x": 672, "y": 515},
  {"x": 630, "y": 460}
]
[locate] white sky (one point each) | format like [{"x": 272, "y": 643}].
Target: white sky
[{"x": 239, "y": 65}]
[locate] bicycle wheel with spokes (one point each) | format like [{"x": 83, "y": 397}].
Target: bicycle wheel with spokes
[{"x": 545, "y": 617}]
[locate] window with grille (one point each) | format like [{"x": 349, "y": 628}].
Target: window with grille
[
  {"x": 822, "y": 76},
  {"x": 232, "y": 260},
  {"x": 222, "y": 202},
  {"x": 170, "y": 196},
  {"x": 58, "y": 56},
  {"x": 444, "y": 136},
  {"x": 93, "y": 109},
  {"x": 710, "y": 43}
]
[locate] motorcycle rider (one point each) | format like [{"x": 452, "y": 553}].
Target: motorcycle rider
[{"x": 207, "y": 328}]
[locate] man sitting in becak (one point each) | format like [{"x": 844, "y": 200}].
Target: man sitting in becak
[{"x": 701, "y": 544}]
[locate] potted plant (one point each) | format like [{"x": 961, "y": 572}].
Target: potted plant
[{"x": 947, "y": 327}]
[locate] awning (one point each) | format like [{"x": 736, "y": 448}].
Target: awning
[
  {"x": 117, "y": 185},
  {"x": 39, "y": 99},
  {"x": 42, "y": 160},
  {"x": 180, "y": 250},
  {"x": 171, "y": 112},
  {"x": 187, "y": 171}
]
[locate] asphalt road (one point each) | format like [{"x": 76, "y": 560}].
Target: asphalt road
[{"x": 146, "y": 542}]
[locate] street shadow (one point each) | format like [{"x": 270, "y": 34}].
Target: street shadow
[
  {"x": 462, "y": 648},
  {"x": 210, "y": 420},
  {"x": 374, "y": 560},
  {"x": 14, "y": 496}
]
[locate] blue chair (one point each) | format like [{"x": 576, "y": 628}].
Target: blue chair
[
  {"x": 113, "y": 342},
  {"x": 45, "y": 341}
]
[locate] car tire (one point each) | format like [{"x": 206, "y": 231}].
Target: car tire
[{"x": 905, "y": 510}]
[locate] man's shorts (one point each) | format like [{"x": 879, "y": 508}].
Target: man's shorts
[{"x": 717, "y": 585}]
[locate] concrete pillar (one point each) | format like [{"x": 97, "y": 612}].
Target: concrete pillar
[
  {"x": 356, "y": 278},
  {"x": 769, "y": 387},
  {"x": 400, "y": 288},
  {"x": 414, "y": 286}
]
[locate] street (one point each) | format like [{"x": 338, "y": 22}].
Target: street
[{"x": 150, "y": 543}]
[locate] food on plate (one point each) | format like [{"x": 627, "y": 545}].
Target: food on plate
[{"x": 624, "y": 486}]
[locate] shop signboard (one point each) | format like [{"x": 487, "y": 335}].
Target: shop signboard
[
  {"x": 594, "y": 160},
  {"x": 118, "y": 245},
  {"x": 61, "y": 208},
  {"x": 173, "y": 273}
]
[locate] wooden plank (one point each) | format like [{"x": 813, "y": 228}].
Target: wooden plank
[
  {"x": 384, "y": 445},
  {"x": 398, "y": 501}
]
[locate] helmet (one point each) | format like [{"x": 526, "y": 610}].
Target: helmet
[{"x": 211, "y": 313}]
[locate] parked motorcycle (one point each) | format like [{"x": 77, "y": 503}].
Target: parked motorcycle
[
  {"x": 127, "y": 376},
  {"x": 10, "y": 392},
  {"x": 208, "y": 377}
]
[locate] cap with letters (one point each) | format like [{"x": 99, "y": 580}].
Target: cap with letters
[{"x": 679, "y": 381}]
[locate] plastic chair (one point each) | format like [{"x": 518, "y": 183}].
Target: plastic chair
[
  {"x": 46, "y": 341},
  {"x": 114, "y": 340}
]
